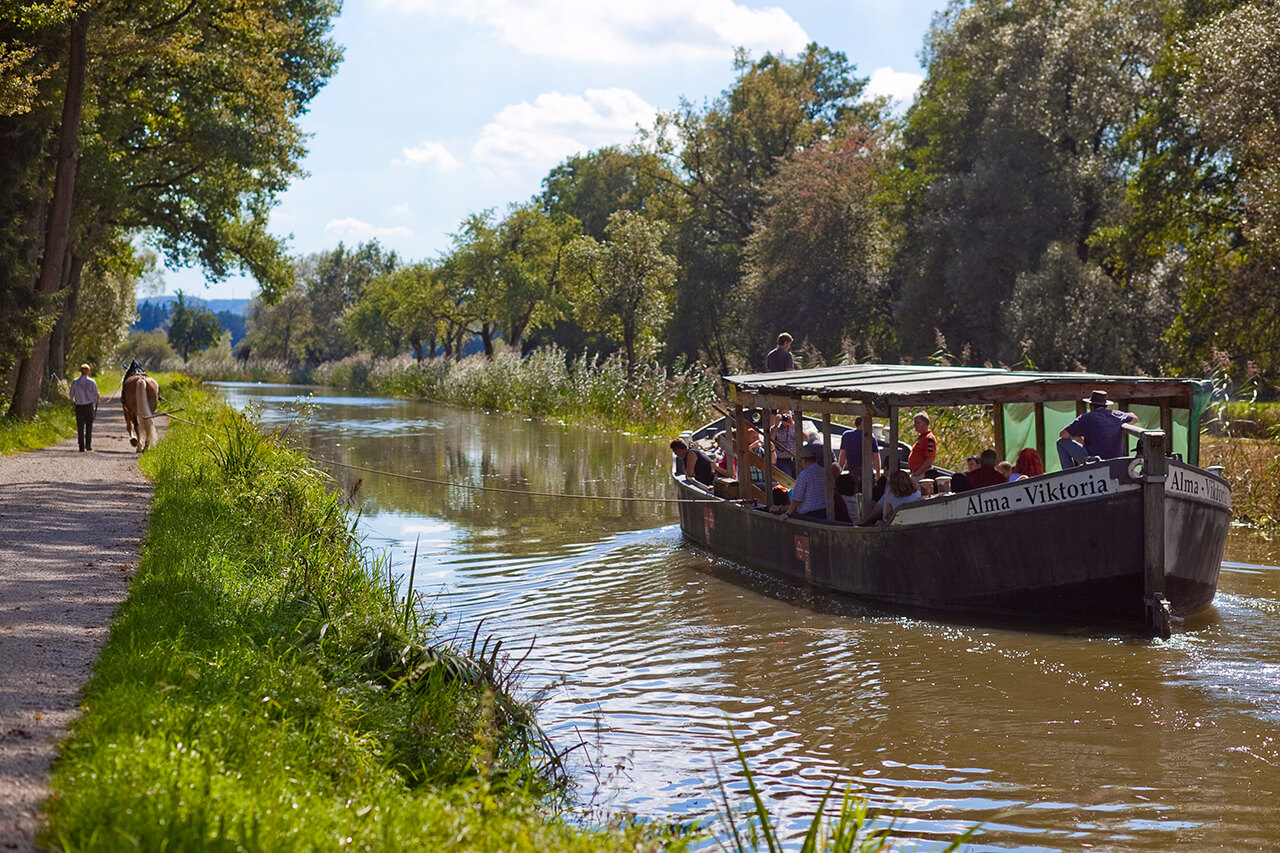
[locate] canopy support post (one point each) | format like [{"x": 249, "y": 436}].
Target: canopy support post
[
  {"x": 997, "y": 426},
  {"x": 866, "y": 452},
  {"x": 829, "y": 486},
  {"x": 894, "y": 463},
  {"x": 1154, "y": 473}
]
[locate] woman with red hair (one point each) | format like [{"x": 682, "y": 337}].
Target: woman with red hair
[{"x": 1029, "y": 464}]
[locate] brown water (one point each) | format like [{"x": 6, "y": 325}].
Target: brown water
[{"x": 653, "y": 654}]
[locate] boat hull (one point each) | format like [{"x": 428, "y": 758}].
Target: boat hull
[{"x": 1064, "y": 547}]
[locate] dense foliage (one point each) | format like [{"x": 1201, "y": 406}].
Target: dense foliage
[
  {"x": 1082, "y": 184},
  {"x": 177, "y": 121},
  {"x": 1079, "y": 185}
]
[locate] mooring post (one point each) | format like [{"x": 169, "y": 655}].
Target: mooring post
[{"x": 1154, "y": 473}]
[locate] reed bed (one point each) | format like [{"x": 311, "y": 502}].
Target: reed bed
[
  {"x": 1252, "y": 467},
  {"x": 548, "y": 383}
]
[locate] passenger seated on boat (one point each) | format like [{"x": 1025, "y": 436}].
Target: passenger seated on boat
[
  {"x": 1100, "y": 430},
  {"x": 986, "y": 473},
  {"x": 1029, "y": 464},
  {"x": 693, "y": 463},
  {"x": 1005, "y": 469},
  {"x": 901, "y": 490},
  {"x": 722, "y": 463},
  {"x": 846, "y": 504},
  {"x": 809, "y": 494}
]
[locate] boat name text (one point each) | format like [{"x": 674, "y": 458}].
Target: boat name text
[
  {"x": 1037, "y": 494},
  {"x": 1198, "y": 486}
]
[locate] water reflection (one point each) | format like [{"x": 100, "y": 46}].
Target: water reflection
[{"x": 648, "y": 651}]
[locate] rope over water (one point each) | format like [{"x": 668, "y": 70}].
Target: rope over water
[{"x": 322, "y": 460}]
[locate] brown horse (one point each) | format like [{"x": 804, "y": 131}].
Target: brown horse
[{"x": 139, "y": 394}]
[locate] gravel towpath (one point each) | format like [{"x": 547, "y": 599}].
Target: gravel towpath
[{"x": 71, "y": 526}]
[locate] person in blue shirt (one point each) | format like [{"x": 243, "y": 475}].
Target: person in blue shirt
[
  {"x": 780, "y": 358},
  {"x": 809, "y": 494},
  {"x": 1100, "y": 430},
  {"x": 851, "y": 450}
]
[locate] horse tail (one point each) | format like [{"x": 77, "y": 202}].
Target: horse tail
[{"x": 142, "y": 408}]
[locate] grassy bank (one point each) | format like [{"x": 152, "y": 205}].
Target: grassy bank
[
  {"x": 265, "y": 688},
  {"x": 54, "y": 421},
  {"x": 652, "y": 399}
]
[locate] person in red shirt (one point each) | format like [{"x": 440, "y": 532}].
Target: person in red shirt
[
  {"x": 924, "y": 451},
  {"x": 986, "y": 474}
]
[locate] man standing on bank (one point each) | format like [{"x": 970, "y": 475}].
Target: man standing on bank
[
  {"x": 84, "y": 393},
  {"x": 780, "y": 358},
  {"x": 1100, "y": 430}
]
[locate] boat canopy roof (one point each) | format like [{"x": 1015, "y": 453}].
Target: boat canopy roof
[{"x": 878, "y": 386}]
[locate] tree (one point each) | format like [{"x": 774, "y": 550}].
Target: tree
[
  {"x": 276, "y": 331},
  {"x": 815, "y": 261},
  {"x": 725, "y": 154},
  {"x": 190, "y": 132},
  {"x": 333, "y": 282},
  {"x": 589, "y": 187},
  {"x": 106, "y": 305},
  {"x": 408, "y": 307},
  {"x": 192, "y": 328},
  {"x": 1071, "y": 315},
  {"x": 1231, "y": 305},
  {"x": 1013, "y": 145},
  {"x": 623, "y": 285},
  {"x": 472, "y": 272},
  {"x": 530, "y": 271}
]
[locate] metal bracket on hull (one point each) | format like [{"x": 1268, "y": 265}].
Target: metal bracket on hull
[{"x": 1159, "y": 616}]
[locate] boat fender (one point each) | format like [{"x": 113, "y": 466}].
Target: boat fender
[{"x": 1136, "y": 467}]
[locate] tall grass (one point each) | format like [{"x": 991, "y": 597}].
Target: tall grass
[
  {"x": 850, "y": 827},
  {"x": 546, "y": 383},
  {"x": 267, "y": 687},
  {"x": 54, "y": 421}
]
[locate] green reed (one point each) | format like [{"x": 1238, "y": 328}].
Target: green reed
[{"x": 548, "y": 383}]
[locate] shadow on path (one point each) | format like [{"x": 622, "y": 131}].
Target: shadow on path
[{"x": 71, "y": 525}]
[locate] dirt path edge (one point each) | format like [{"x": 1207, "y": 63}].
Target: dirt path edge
[{"x": 71, "y": 528}]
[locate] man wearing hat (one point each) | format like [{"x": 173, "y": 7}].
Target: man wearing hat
[
  {"x": 1100, "y": 430},
  {"x": 84, "y": 393},
  {"x": 809, "y": 494}
]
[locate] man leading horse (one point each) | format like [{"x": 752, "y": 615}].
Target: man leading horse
[{"x": 140, "y": 394}]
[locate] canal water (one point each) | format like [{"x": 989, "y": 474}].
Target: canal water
[{"x": 654, "y": 657}]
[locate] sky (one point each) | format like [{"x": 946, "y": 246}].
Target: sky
[{"x": 443, "y": 108}]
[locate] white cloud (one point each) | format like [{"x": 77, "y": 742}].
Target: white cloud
[
  {"x": 354, "y": 229},
  {"x": 400, "y": 209},
  {"x": 555, "y": 126},
  {"x": 638, "y": 31},
  {"x": 427, "y": 154},
  {"x": 900, "y": 86}
]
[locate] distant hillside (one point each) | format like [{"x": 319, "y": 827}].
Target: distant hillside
[
  {"x": 234, "y": 306},
  {"x": 153, "y": 313}
]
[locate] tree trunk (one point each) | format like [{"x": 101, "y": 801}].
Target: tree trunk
[
  {"x": 31, "y": 373},
  {"x": 60, "y": 343},
  {"x": 486, "y": 337}
]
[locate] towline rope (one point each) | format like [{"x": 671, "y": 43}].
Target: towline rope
[{"x": 435, "y": 482}]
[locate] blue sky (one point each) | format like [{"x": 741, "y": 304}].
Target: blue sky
[{"x": 442, "y": 108}]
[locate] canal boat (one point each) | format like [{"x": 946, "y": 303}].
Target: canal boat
[{"x": 1135, "y": 541}]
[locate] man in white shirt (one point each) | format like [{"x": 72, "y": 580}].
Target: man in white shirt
[{"x": 84, "y": 393}]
